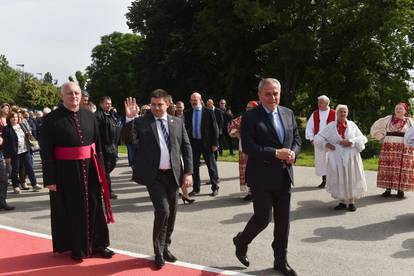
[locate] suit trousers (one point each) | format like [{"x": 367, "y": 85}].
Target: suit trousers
[
  {"x": 163, "y": 193},
  {"x": 208, "y": 155},
  {"x": 3, "y": 180},
  {"x": 263, "y": 203}
]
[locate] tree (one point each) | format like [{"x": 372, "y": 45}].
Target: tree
[
  {"x": 48, "y": 78},
  {"x": 9, "y": 81},
  {"x": 113, "y": 71},
  {"x": 81, "y": 79}
]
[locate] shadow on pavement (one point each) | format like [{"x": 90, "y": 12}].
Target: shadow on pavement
[
  {"x": 408, "y": 253},
  {"x": 371, "y": 232}
]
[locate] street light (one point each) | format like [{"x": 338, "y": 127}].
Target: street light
[
  {"x": 21, "y": 65},
  {"x": 41, "y": 76}
]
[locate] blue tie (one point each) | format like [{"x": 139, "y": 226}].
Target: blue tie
[
  {"x": 278, "y": 125},
  {"x": 165, "y": 134},
  {"x": 196, "y": 126}
]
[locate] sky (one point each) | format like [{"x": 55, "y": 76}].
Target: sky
[{"x": 57, "y": 36}]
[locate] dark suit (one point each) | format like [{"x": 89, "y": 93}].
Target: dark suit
[
  {"x": 269, "y": 178},
  {"x": 162, "y": 185},
  {"x": 203, "y": 146},
  {"x": 219, "y": 114}
]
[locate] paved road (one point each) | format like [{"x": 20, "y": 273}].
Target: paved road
[{"x": 377, "y": 239}]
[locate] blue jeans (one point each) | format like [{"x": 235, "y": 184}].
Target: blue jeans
[{"x": 26, "y": 159}]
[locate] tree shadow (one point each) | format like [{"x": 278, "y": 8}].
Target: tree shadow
[
  {"x": 408, "y": 253},
  {"x": 266, "y": 271},
  {"x": 305, "y": 189},
  {"x": 371, "y": 232}
]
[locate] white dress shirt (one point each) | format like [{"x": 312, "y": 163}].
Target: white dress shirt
[{"x": 165, "y": 163}]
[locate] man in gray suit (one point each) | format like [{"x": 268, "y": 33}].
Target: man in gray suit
[
  {"x": 163, "y": 163},
  {"x": 271, "y": 139}
]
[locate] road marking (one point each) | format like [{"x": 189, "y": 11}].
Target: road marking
[{"x": 135, "y": 255}]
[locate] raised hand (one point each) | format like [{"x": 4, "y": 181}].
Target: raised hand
[{"x": 131, "y": 107}]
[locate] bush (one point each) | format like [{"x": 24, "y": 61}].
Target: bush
[{"x": 372, "y": 148}]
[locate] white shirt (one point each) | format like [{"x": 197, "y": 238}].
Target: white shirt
[
  {"x": 21, "y": 139},
  {"x": 165, "y": 162},
  {"x": 310, "y": 127}
]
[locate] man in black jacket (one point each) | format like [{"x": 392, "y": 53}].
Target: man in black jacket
[
  {"x": 109, "y": 133},
  {"x": 271, "y": 139},
  {"x": 202, "y": 129},
  {"x": 163, "y": 163},
  {"x": 219, "y": 114}
]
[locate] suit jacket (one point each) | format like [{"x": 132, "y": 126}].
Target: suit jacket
[
  {"x": 143, "y": 132},
  {"x": 209, "y": 128},
  {"x": 219, "y": 114},
  {"x": 260, "y": 140}
]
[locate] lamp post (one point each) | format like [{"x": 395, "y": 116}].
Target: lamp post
[{"x": 22, "y": 66}]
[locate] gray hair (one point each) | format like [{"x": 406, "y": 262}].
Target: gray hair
[
  {"x": 265, "y": 81},
  {"x": 341, "y": 106},
  {"x": 324, "y": 97}
]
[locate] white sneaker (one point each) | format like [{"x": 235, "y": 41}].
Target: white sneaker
[
  {"x": 37, "y": 188},
  {"x": 16, "y": 190}
]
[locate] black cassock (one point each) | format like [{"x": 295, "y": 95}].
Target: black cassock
[{"x": 77, "y": 216}]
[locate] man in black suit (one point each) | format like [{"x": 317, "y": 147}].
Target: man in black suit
[
  {"x": 271, "y": 139},
  {"x": 202, "y": 129},
  {"x": 225, "y": 139},
  {"x": 219, "y": 114},
  {"x": 163, "y": 162}
]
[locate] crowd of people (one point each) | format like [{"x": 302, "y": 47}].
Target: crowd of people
[{"x": 78, "y": 145}]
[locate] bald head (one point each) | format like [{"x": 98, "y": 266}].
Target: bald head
[
  {"x": 70, "y": 93},
  {"x": 195, "y": 99}
]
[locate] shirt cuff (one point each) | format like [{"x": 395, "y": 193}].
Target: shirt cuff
[{"x": 127, "y": 119}]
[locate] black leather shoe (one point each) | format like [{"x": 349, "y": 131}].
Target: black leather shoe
[
  {"x": 322, "y": 185},
  {"x": 159, "y": 261},
  {"x": 214, "y": 193},
  {"x": 76, "y": 257},
  {"x": 285, "y": 269},
  {"x": 340, "y": 206},
  {"x": 104, "y": 253},
  {"x": 400, "y": 194},
  {"x": 387, "y": 193},
  {"x": 248, "y": 197},
  {"x": 352, "y": 208},
  {"x": 7, "y": 207},
  {"x": 169, "y": 257},
  {"x": 241, "y": 251},
  {"x": 113, "y": 196},
  {"x": 193, "y": 193}
]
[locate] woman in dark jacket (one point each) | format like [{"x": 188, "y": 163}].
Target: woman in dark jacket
[{"x": 16, "y": 150}]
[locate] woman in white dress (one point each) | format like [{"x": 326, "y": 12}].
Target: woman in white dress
[
  {"x": 345, "y": 179},
  {"x": 409, "y": 138}
]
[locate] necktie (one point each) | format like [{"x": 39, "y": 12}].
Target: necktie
[
  {"x": 165, "y": 134},
  {"x": 274, "y": 117},
  {"x": 196, "y": 126}
]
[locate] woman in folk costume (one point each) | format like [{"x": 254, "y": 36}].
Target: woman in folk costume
[
  {"x": 319, "y": 119},
  {"x": 396, "y": 160},
  {"x": 409, "y": 140},
  {"x": 345, "y": 178},
  {"x": 234, "y": 132}
]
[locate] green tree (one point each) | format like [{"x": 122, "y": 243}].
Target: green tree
[
  {"x": 113, "y": 71},
  {"x": 48, "y": 78},
  {"x": 81, "y": 79},
  {"x": 9, "y": 81}
]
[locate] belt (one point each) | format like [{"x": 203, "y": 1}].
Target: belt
[
  {"x": 89, "y": 152},
  {"x": 399, "y": 134}
]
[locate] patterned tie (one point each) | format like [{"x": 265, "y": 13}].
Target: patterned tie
[{"x": 165, "y": 133}]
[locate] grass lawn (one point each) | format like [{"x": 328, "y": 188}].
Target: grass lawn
[{"x": 305, "y": 158}]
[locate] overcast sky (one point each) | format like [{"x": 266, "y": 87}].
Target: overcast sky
[{"x": 57, "y": 35}]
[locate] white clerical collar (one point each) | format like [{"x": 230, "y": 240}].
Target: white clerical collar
[
  {"x": 163, "y": 117},
  {"x": 324, "y": 110},
  {"x": 270, "y": 111}
]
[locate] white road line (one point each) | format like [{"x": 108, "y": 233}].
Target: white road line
[{"x": 135, "y": 255}]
